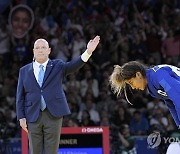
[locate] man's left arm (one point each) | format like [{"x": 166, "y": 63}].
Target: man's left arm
[{"x": 76, "y": 64}]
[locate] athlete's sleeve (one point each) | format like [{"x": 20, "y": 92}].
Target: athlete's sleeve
[
  {"x": 171, "y": 86},
  {"x": 173, "y": 112}
]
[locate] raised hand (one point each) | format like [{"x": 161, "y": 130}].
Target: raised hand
[{"x": 92, "y": 44}]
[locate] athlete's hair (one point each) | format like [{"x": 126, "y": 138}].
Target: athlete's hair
[{"x": 125, "y": 72}]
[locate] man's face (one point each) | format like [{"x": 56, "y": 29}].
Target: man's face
[{"x": 41, "y": 51}]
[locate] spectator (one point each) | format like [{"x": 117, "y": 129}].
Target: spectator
[
  {"x": 105, "y": 102},
  {"x": 77, "y": 46},
  {"x": 120, "y": 116},
  {"x": 86, "y": 119},
  {"x": 127, "y": 141},
  {"x": 94, "y": 115},
  {"x": 153, "y": 43},
  {"x": 89, "y": 83},
  {"x": 159, "y": 119},
  {"x": 155, "y": 104},
  {"x": 171, "y": 48},
  {"x": 139, "y": 124}
]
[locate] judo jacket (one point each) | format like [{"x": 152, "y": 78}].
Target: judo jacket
[{"x": 164, "y": 83}]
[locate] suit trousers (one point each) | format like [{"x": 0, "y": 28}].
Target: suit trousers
[{"x": 44, "y": 134}]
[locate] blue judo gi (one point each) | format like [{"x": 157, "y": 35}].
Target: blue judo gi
[{"x": 164, "y": 83}]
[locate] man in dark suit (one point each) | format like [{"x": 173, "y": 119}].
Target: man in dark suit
[{"x": 40, "y": 101}]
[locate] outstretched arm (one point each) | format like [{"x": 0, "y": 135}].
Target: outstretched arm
[
  {"x": 76, "y": 64},
  {"x": 91, "y": 46}
]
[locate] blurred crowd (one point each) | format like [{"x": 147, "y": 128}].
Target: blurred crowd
[{"x": 144, "y": 30}]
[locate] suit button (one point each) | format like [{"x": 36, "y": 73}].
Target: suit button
[{"x": 41, "y": 91}]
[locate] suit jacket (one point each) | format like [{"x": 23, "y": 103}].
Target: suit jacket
[
  {"x": 29, "y": 92},
  {"x": 164, "y": 83}
]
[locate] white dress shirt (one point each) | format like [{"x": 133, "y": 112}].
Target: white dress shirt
[{"x": 37, "y": 69}]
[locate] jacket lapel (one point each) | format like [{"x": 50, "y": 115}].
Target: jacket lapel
[
  {"x": 32, "y": 76},
  {"x": 48, "y": 70}
]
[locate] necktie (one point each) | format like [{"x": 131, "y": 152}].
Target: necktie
[{"x": 40, "y": 81}]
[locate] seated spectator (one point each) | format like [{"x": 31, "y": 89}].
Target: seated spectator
[
  {"x": 138, "y": 46},
  {"x": 120, "y": 116},
  {"x": 73, "y": 83},
  {"x": 21, "y": 49},
  {"x": 170, "y": 47},
  {"x": 105, "y": 102},
  {"x": 88, "y": 96},
  {"x": 127, "y": 145},
  {"x": 105, "y": 121},
  {"x": 89, "y": 83},
  {"x": 8, "y": 86},
  {"x": 94, "y": 115},
  {"x": 159, "y": 118},
  {"x": 86, "y": 119},
  {"x": 153, "y": 43},
  {"x": 49, "y": 25},
  {"x": 156, "y": 103},
  {"x": 4, "y": 41},
  {"x": 72, "y": 123},
  {"x": 77, "y": 46},
  {"x": 60, "y": 48},
  {"x": 139, "y": 124},
  {"x": 100, "y": 63},
  {"x": 72, "y": 94}
]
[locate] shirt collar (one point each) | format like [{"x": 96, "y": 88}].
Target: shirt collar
[{"x": 44, "y": 64}]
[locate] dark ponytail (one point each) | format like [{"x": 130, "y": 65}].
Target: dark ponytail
[{"x": 126, "y": 72}]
